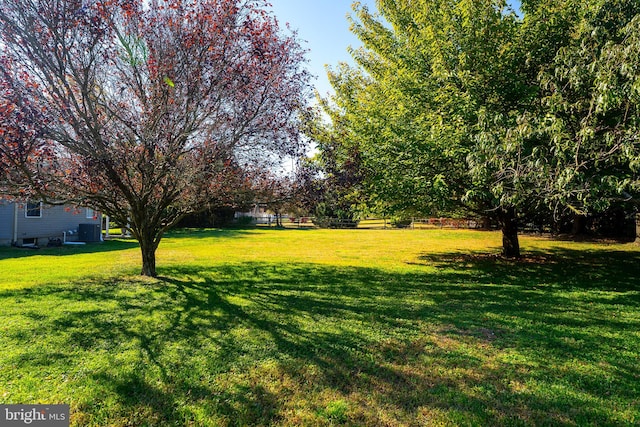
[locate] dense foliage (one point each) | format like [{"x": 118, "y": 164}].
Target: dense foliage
[{"x": 469, "y": 105}]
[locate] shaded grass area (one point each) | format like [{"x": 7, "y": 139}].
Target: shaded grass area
[
  {"x": 89, "y": 248},
  {"x": 435, "y": 338}
]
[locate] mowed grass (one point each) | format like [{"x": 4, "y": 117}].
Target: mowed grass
[{"x": 325, "y": 327}]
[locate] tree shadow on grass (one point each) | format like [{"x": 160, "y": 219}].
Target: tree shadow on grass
[
  {"x": 119, "y": 244},
  {"x": 107, "y": 246},
  {"x": 457, "y": 340},
  {"x": 606, "y": 270}
]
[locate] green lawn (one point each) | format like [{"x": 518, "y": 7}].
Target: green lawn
[{"x": 319, "y": 327}]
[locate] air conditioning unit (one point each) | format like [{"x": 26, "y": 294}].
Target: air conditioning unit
[{"x": 89, "y": 232}]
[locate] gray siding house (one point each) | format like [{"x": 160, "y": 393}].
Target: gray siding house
[{"x": 27, "y": 223}]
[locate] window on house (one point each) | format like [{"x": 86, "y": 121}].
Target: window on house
[
  {"x": 91, "y": 214},
  {"x": 33, "y": 210}
]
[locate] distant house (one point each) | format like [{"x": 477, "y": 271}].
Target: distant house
[
  {"x": 37, "y": 224},
  {"x": 259, "y": 210},
  {"x": 261, "y": 214}
]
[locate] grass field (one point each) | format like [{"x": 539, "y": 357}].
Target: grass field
[{"x": 318, "y": 327}]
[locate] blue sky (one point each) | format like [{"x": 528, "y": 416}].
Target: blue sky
[{"x": 324, "y": 29}]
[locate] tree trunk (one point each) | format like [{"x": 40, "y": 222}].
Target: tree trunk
[
  {"x": 148, "y": 249},
  {"x": 579, "y": 226},
  {"x": 509, "y": 224},
  {"x": 486, "y": 223},
  {"x": 638, "y": 228}
]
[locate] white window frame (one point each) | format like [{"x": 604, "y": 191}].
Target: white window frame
[
  {"x": 26, "y": 210},
  {"x": 91, "y": 213}
]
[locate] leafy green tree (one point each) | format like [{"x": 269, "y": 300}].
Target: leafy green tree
[
  {"x": 437, "y": 86},
  {"x": 466, "y": 105},
  {"x": 333, "y": 177},
  {"x": 591, "y": 94}
]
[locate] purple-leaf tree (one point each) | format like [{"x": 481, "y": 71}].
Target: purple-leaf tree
[{"x": 147, "y": 108}]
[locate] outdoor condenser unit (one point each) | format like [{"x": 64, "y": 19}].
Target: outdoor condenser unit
[{"x": 89, "y": 232}]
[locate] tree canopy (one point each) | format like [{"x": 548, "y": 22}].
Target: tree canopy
[
  {"x": 590, "y": 95},
  {"x": 144, "y": 110},
  {"x": 466, "y": 105}
]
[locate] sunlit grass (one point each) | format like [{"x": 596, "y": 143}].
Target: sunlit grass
[{"x": 325, "y": 327}]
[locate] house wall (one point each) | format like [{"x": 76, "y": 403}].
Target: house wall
[
  {"x": 55, "y": 220},
  {"x": 6, "y": 222}
]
